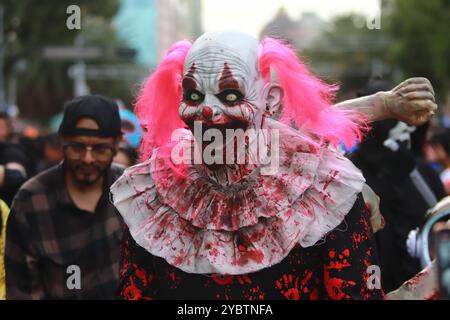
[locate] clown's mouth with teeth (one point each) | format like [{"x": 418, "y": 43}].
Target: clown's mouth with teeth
[
  {"x": 218, "y": 137},
  {"x": 233, "y": 143},
  {"x": 207, "y": 128}
]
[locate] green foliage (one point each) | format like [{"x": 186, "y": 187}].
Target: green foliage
[
  {"x": 421, "y": 40},
  {"x": 348, "y": 51},
  {"x": 32, "y": 25},
  {"x": 414, "y": 41}
]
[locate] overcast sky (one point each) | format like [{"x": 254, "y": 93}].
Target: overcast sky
[{"x": 250, "y": 16}]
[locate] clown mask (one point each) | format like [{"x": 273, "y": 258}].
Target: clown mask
[{"x": 222, "y": 85}]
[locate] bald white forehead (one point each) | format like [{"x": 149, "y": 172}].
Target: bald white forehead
[
  {"x": 244, "y": 47},
  {"x": 213, "y": 49}
]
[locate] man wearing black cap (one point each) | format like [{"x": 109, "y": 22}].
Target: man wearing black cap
[{"x": 63, "y": 233}]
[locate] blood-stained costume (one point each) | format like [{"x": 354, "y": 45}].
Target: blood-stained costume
[{"x": 243, "y": 230}]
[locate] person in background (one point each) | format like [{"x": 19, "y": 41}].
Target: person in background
[
  {"x": 13, "y": 161},
  {"x": 63, "y": 234},
  {"x": 406, "y": 187},
  {"x": 438, "y": 150},
  {"x": 52, "y": 152},
  {"x": 131, "y": 128},
  {"x": 13, "y": 170},
  {"x": 126, "y": 155},
  {"x": 33, "y": 149}
]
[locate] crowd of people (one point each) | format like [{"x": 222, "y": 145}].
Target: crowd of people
[{"x": 85, "y": 217}]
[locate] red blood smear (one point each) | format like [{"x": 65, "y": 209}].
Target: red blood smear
[
  {"x": 331, "y": 177},
  {"x": 142, "y": 276},
  {"x": 246, "y": 279},
  {"x": 256, "y": 236},
  {"x": 131, "y": 292},
  {"x": 223, "y": 280},
  {"x": 234, "y": 213},
  {"x": 356, "y": 240},
  {"x": 315, "y": 294},
  {"x": 254, "y": 255},
  {"x": 214, "y": 252},
  {"x": 433, "y": 296},
  {"x": 305, "y": 281},
  {"x": 334, "y": 288},
  {"x": 178, "y": 260},
  {"x": 337, "y": 265},
  {"x": 292, "y": 294},
  {"x": 227, "y": 80},
  {"x": 332, "y": 254}
]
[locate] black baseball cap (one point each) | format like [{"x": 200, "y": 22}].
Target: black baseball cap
[{"x": 102, "y": 110}]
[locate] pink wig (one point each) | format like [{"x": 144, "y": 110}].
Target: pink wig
[
  {"x": 307, "y": 100},
  {"x": 158, "y": 101}
]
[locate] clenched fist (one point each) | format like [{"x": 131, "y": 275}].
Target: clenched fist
[{"x": 412, "y": 101}]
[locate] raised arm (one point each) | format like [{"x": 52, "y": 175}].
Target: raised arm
[{"x": 412, "y": 101}]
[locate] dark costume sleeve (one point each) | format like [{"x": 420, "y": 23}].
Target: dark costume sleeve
[
  {"x": 349, "y": 252},
  {"x": 136, "y": 282}
]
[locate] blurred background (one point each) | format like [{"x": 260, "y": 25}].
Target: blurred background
[{"x": 43, "y": 63}]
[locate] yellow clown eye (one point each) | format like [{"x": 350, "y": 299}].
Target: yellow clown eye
[
  {"x": 231, "y": 97},
  {"x": 194, "y": 97}
]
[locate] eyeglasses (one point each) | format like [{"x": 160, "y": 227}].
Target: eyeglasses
[{"x": 100, "y": 152}]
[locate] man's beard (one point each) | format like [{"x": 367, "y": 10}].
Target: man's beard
[{"x": 94, "y": 173}]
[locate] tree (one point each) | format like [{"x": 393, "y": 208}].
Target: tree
[
  {"x": 420, "y": 40},
  {"x": 349, "y": 53},
  {"x": 32, "y": 25}
]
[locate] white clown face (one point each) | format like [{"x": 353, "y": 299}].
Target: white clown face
[{"x": 222, "y": 86}]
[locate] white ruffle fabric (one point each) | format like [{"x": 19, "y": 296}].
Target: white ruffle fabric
[{"x": 203, "y": 227}]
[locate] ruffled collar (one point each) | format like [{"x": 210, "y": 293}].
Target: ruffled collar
[{"x": 202, "y": 226}]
